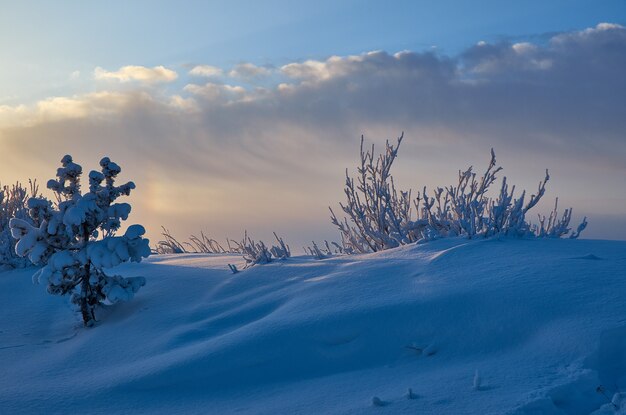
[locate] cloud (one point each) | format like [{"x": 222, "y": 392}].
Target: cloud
[
  {"x": 249, "y": 72},
  {"x": 95, "y": 106},
  {"x": 566, "y": 54},
  {"x": 557, "y": 104},
  {"x": 214, "y": 92},
  {"x": 507, "y": 58},
  {"x": 310, "y": 70},
  {"x": 602, "y": 32},
  {"x": 184, "y": 104},
  {"x": 206, "y": 71},
  {"x": 552, "y": 94},
  {"x": 129, "y": 73},
  {"x": 12, "y": 115}
]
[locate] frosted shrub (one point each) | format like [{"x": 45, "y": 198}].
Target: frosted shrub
[
  {"x": 197, "y": 244},
  {"x": 253, "y": 252},
  {"x": 75, "y": 238},
  {"x": 258, "y": 253},
  {"x": 280, "y": 251},
  {"x": 323, "y": 252},
  {"x": 169, "y": 244},
  {"x": 13, "y": 205},
  {"x": 381, "y": 217}
]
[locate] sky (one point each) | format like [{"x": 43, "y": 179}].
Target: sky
[{"x": 244, "y": 115}]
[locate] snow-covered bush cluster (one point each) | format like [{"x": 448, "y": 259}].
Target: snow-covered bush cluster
[
  {"x": 325, "y": 251},
  {"x": 253, "y": 252},
  {"x": 381, "y": 217},
  {"x": 75, "y": 237},
  {"x": 13, "y": 205},
  {"x": 258, "y": 253}
]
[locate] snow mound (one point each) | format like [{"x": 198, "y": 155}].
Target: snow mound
[{"x": 467, "y": 327}]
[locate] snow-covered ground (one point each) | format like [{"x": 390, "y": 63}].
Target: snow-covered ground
[{"x": 471, "y": 327}]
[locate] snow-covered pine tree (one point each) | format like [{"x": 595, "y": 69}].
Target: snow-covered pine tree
[{"x": 76, "y": 240}]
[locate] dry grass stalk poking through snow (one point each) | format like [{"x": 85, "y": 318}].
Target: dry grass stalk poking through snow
[{"x": 381, "y": 217}]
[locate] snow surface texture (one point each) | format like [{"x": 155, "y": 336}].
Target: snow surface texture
[{"x": 541, "y": 323}]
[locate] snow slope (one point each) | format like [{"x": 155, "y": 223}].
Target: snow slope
[{"x": 541, "y": 322}]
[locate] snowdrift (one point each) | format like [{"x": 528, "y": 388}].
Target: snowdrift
[{"x": 471, "y": 327}]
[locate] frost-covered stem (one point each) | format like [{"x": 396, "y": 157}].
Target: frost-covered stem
[
  {"x": 534, "y": 199},
  {"x": 580, "y": 228},
  {"x": 489, "y": 177},
  {"x": 357, "y": 212}
]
